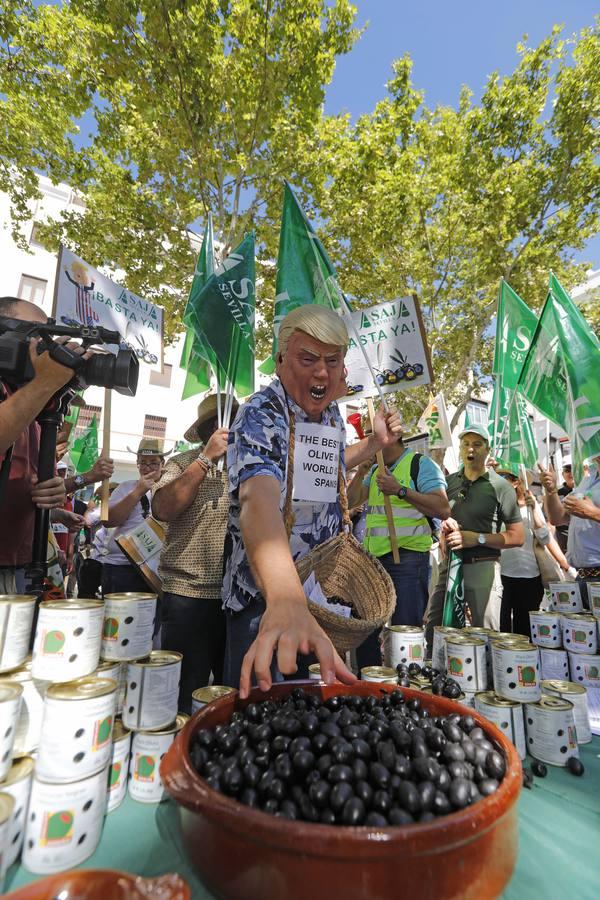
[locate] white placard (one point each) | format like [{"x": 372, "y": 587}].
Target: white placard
[{"x": 316, "y": 462}]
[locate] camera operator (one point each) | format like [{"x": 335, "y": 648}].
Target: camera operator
[{"x": 21, "y": 492}]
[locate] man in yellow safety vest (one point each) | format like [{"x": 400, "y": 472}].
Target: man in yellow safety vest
[{"x": 417, "y": 491}]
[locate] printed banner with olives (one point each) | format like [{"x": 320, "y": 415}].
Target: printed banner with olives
[{"x": 394, "y": 339}]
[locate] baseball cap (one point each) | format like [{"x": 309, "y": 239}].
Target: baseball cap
[
  {"x": 481, "y": 430},
  {"x": 508, "y": 469}
]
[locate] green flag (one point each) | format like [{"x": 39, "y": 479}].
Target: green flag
[
  {"x": 498, "y": 413},
  {"x": 84, "y": 451},
  {"x": 197, "y": 359},
  {"x": 515, "y": 325},
  {"x": 543, "y": 377},
  {"x": 223, "y": 317},
  {"x": 454, "y": 600},
  {"x": 517, "y": 445},
  {"x": 305, "y": 273},
  {"x": 579, "y": 349}
]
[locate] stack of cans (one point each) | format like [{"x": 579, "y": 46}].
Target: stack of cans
[{"x": 569, "y": 639}]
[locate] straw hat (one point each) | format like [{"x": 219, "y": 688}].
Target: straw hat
[
  {"x": 207, "y": 410},
  {"x": 151, "y": 447}
]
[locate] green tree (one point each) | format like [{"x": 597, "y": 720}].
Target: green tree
[
  {"x": 445, "y": 202},
  {"x": 158, "y": 111}
]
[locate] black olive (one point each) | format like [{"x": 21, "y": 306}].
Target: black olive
[
  {"x": 262, "y": 761},
  {"x": 364, "y": 790},
  {"x": 414, "y": 669},
  {"x": 376, "y": 820},
  {"x": 400, "y": 736},
  {"x": 437, "y": 685},
  {"x": 253, "y": 712},
  {"x": 361, "y": 749},
  {"x": 199, "y": 756},
  {"x": 327, "y": 817},
  {"x": 280, "y": 743},
  {"x": 324, "y": 763},
  {"x": 575, "y": 766},
  {"x": 427, "y": 671},
  {"x": 538, "y": 768},
  {"x": 379, "y": 776},
  {"x": 527, "y": 778},
  {"x": 310, "y": 724},
  {"x": 458, "y": 794},
  {"x": 250, "y": 797},
  {"x": 252, "y": 775},
  {"x": 319, "y": 742},
  {"x": 402, "y": 766},
  {"x": 214, "y": 782},
  {"x": 353, "y": 812},
  {"x": 263, "y": 748},
  {"x": 426, "y": 817},
  {"x": 352, "y": 732},
  {"x": 477, "y": 734},
  {"x": 408, "y": 797},
  {"x": 452, "y": 731},
  {"x": 479, "y": 773},
  {"x": 381, "y": 802},
  {"x": 453, "y": 752},
  {"x": 282, "y": 766},
  {"x": 404, "y": 681},
  {"x": 435, "y": 739},
  {"x": 456, "y": 769},
  {"x": 451, "y": 690},
  {"x": 426, "y": 791},
  {"x": 487, "y": 786},
  {"x": 308, "y": 809},
  {"x": 205, "y": 739},
  {"x": 340, "y": 773},
  {"x": 418, "y": 747},
  {"x": 467, "y": 723},
  {"x": 288, "y": 810},
  {"x": 398, "y": 816},
  {"x": 402, "y": 669},
  {"x": 303, "y": 761},
  {"x": 386, "y": 754},
  {"x": 360, "y": 769},
  {"x": 340, "y": 794},
  {"x": 441, "y": 804},
  {"x": 480, "y": 756},
  {"x": 443, "y": 780},
  {"x": 424, "y": 768},
  {"x": 495, "y": 765},
  {"x": 414, "y": 704},
  {"x": 319, "y": 793},
  {"x": 469, "y": 747},
  {"x": 247, "y": 756},
  {"x": 342, "y": 752}
]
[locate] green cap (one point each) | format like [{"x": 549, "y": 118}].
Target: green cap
[
  {"x": 508, "y": 468},
  {"x": 481, "y": 430}
]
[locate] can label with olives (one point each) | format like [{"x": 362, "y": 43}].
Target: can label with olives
[
  {"x": 402, "y": 645},
  {"x": 466, "y": 661},
  {"x": 147, "y": 750},
  {"x": 18, "y": 785},
  {"x": 381, "y": 674},
  {"x": 550, "y": 729},
  {"x": 11, "y": 698},
  {"x": 585, "y": 669},
  {"x": 119, "y": 766},
  {"x": 29, "y": 725},
  {"x": 516, "y": 671},
  {"x": 577, "y": 695},
  {"x": 438, "y": 653},
  {"x": 76, "y": 737},
  {"x": 507, "y": 715},
  {"x": 67, "y": 639},
  {"x": 64, "y": 823},
  {"x": 16, "y": 618},
  {"x": 593, "y": 589},
  {"x": 128, "y": 625},
  {"x": 566, "y": 597},
  {"x": 546, "y": 630},
  {"x": 554, "y": 663},
  {"x": 579, "y": 634},
  {"x": 201, "y": 697},
  {"x": 152, "y": 691}
]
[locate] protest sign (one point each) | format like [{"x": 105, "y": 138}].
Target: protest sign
[
  {"x": 83, "y": 296},
  {"x": 393, "y": 337},
  {"x": 316, "y": 462}
]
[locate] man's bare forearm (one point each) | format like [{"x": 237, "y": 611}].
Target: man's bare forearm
[
  {"x": 171, "y": 500},
  {"x": 434, "y": 505},
  {"x": 555, "y": 509},
  {"x": 121, "y": 510}
]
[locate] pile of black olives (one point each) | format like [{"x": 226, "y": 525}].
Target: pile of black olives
[
  {"x": 441, "y": 684},
  {"x": 349, "y": 760}
]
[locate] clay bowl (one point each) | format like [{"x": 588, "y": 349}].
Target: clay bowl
[
  {"x": 103, "y": 884},
  {"x": 244, "y": 854}
]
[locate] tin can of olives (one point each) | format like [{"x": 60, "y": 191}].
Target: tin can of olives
[
  {"x": 64, "y": 823},
  {"x": 16, "y": 619},
  {"x": 438, "y": 652},
  {"x": 554, "y": 663},
  {"x": 484, "y": 634},
  {"x": 466, "y": 661},
  {"x": 403, "y": 644},
  {"x": 152, "y": 691},
  {"x": 67, "y": 639},
  {"x": 128, "y": 625},
  {"x": 516, "y": 671},
  {"x": 147, "y": 750},
  {"x": 314, "y": 674},
  {"x": 579, "y": 634},
  {"x": 119, "y": 765},
  {"x": 7, "y": 806},
  {"x": 381, "y": 674},
  {"x": 118, "y": 672},
  {"x": 29, "y": 725},
  {"x": 76, "y": 737},
  {"x": 546, "y": 629},
  {"x": 11, "y": 696},
  {"x": 550, "y": 729},
  {"x": 508, "y": 637},
  {"x": 593, "y": 589},
  {"x": 507, "y": 715},
  {"x": 203, "y": 696},
  {"x": 18, "y": 785},
  {"x": 577, "y": 695},
  {"x": 566, "y": 597},
  {"x": 585, "y": 669}
]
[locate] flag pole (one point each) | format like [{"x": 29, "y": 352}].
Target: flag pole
[
  {"x": 219, "y": 410},
  {"x": 386, "y": 500},
  {"x": 105, "y": 453}
]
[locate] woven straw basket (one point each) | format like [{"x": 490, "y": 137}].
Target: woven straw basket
[{"x": 344, "y": 569}]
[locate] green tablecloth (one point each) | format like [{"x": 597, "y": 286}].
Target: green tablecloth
[{"x": 559, "y": 839}]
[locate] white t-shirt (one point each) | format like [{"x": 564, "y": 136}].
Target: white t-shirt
[
  {"x": 520, "y": 562},
  {"x": 583, "y": 546},
  {"x": 106, "y": 549}
]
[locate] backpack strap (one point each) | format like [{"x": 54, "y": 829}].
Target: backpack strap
[{"x": 415, "y": 465}]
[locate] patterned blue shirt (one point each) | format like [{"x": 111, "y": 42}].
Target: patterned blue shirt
[{"x": 258, "y": 445}]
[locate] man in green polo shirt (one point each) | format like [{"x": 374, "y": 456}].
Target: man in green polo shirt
[{"x": 481, "y": 503}]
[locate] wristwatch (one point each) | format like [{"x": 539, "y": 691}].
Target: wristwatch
[
  {"x": 79, "y": 481},
  {"x": 402, "y": 492},
  {"x": 481, "y": 538}
]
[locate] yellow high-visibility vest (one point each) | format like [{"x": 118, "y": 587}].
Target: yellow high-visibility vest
[{"x": 412, "y": 528}]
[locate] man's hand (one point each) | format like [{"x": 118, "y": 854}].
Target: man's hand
[
  {"x": 217, "y": 444},
  {"x": 102, "y": 468},
  {"x": 288, "y": 628},
  {"x": 387, "y": 483},
  {"x": 530, "y": 500},
  {"x": 461, "y": 540},
  {"x": 146, "y": 481},
  {"x": 582, "y": 507},
  {"x": 387, "y": 428},
  {"x": 73, "y": 521},
  {"x": 48, "y": 494},
  {"x": 548, "y": 479},
  {"x": 50, "y": 372}
]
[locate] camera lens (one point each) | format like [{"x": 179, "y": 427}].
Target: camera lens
[{"x": 119, "y": 372}]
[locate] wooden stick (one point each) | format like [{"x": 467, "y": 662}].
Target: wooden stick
[
  {"x": 105, "y": 453},
  {"x": 386, "y": 500}
]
